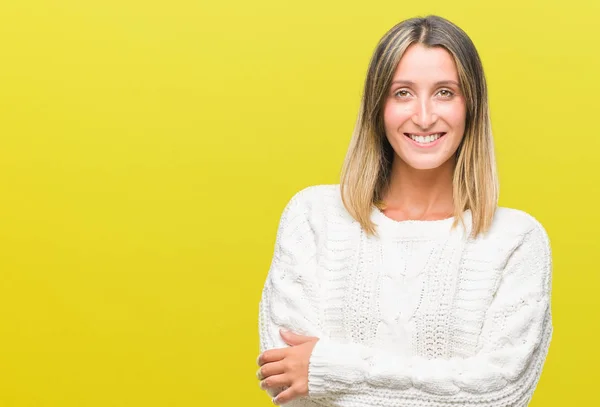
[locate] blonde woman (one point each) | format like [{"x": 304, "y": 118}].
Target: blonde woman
[{"x": 406, "y": 284}]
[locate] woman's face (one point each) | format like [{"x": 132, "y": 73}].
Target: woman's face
[{"x": 424, "y": 113}]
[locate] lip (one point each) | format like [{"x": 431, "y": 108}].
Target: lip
[{"x": 429, "y": 145}]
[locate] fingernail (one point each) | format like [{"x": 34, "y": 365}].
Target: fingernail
[
  {"x": 259, "y": 374},
  {"x": 258, "y": 360},
  {"x": 274, "y": 400}
]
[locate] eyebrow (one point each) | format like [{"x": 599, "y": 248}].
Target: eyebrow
[{"x": 439, "y": 83}]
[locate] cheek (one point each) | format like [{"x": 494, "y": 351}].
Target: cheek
[
  {"x": 455, "y": 115},
  {"x": 395, "y": 115}
]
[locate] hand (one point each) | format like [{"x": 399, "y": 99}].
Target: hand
[{"x": 287, "y": 367}]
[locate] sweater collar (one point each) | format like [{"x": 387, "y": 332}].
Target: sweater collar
[{"x": 417, "y": 229}]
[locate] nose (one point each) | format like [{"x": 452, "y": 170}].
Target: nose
[{"x": 424, "y": 116}]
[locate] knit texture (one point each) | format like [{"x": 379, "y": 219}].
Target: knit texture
[{"x": 421, "y": 315}]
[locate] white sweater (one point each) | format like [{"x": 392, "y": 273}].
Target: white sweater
[{"x": 422, "y": 315}]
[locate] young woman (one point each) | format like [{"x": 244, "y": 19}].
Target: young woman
[{"x": 406, "y": 284}]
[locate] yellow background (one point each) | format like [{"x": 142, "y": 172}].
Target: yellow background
[{"x": 148, "y": 148}]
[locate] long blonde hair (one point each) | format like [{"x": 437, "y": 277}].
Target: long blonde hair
[{"x": 367, "y": 167}]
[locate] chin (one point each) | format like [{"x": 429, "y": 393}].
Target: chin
[{"x": 424, "y": 165}]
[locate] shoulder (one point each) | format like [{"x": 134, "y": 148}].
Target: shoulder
[
  {"x": 312, "y": 204},
  {"x": 513, "y": 234},
  {"x": 531, "y": 257},
  {"x": 316, "y": 202},
  {"x": 316, "y": 212},
  {"x": 523, "y": 232},
  {"x": 511, "y": 222},
  {"x": 303, "y": 225},
  {"x": 314, "y": 195}
]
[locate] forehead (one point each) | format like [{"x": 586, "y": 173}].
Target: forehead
[{"x": 423, "y": 64}]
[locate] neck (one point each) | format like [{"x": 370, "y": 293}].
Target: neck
[{"x": 420, "y": 194}]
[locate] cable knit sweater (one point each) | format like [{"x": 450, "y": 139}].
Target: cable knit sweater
[{"x": 421, "y": 315}]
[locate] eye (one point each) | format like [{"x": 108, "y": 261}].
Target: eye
[
  {"x": 445, "y": 93},
  {"x": 402, "y": 93}
]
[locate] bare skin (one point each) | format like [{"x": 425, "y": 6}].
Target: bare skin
[
  {"x": 287, "y": 367},
  {"x": 424, "y": 98},
  {"x": 426, "y": 194}
]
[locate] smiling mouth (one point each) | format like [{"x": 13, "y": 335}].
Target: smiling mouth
[{"x": 425, "y": 139}]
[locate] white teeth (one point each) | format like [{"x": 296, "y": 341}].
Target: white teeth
[{"x": 425, "y": 139}]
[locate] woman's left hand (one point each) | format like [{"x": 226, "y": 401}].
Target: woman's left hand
[{"x": 287, "y": 367}]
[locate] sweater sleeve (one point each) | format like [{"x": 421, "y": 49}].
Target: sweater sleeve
[
  {"x": 504, "y": 372},
  {"x": 290, "y": 293}
]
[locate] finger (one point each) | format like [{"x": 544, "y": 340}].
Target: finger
[
  {"x": 274, "y": 392},
  {"x": 285, "y": 396},
  {"x": 271, "y": 355},
  {"x": 270, "y": 369},
  {"x": 291, "y": 338},
  {"x": 275, "y": 381},
  {"x": 294, "y": 339}
]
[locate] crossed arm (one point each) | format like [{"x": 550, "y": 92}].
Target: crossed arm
[{"x": 504, "y": 372}]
